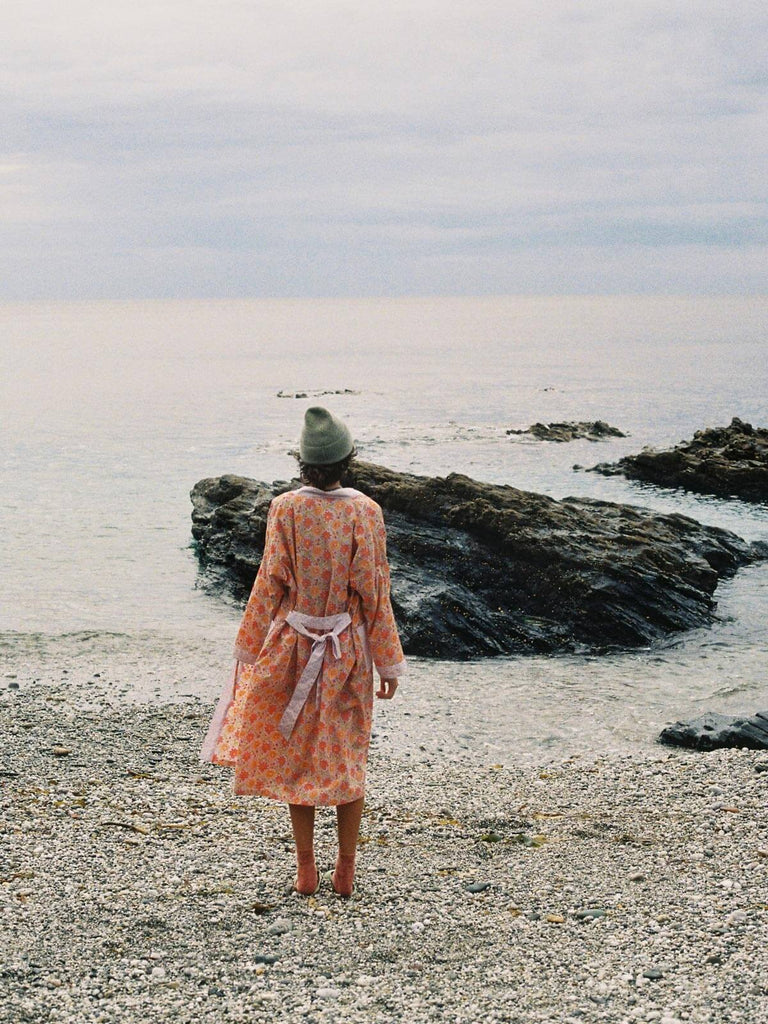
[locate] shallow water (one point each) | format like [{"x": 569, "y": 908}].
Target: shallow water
[{"x": 112, "y": 411}]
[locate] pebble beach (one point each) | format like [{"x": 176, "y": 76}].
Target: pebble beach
[{"x": 136, "y": 887}]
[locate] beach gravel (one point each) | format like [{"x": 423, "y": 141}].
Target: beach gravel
[{"x": 135, "y": 887}]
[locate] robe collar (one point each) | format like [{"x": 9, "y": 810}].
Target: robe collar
[{"x": 340, "y": 492}]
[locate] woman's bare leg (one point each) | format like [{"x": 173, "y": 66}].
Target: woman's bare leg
[
  {"x": 303, "y": 824},
  {"x": 348, "y": 824}
]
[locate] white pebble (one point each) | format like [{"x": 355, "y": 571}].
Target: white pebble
[{"x": 735, "y": 918}]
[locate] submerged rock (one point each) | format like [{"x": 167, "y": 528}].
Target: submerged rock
[
  {"x": 727, "y": 461},
  {"x": 596, "y": 430},
  {"x": 712, "y": 731},
  {"x": 485, "y": 569}
]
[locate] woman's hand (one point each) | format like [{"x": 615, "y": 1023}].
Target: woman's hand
[{"x": 386, "y": 690}]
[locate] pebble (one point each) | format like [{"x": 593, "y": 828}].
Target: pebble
[
  {"x": 328, "y": 993},
  {"x": 589, "y": 913},
  {"x": 280, "y": 926},
  {"x": 477, "y": 886},
  {"x": 736, "y": 918}
]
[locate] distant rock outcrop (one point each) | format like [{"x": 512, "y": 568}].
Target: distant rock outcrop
[
  {"x": 712, "y": 731},
  {"x": 596, "y": 430},
  {"x": 483, "y": 569},
  {"x": 727, "y": 461},
  {"x": 315, "y": 394}
]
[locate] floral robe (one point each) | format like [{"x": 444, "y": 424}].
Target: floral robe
[{"x": 324, "y": 555}]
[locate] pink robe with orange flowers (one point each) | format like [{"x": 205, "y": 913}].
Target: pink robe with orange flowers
[{"x": 324, "y": 555}]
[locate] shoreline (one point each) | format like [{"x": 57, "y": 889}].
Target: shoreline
[{"x": 135, "y": 886}]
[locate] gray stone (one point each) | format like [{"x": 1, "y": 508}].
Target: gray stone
[
  {"x": 477, "y": 886},
  {"x": 280, "y": 926},
  {"x": 712, "y": 731},
  {"x": 589, "y": 914}
]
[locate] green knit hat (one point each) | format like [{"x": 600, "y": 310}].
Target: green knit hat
[{"x": 324, "y": 438}]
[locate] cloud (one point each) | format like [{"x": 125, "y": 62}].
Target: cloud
[{"x": 405, "y": 147}]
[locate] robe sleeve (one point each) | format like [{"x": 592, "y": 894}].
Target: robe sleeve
[
  {"x": 273, "y": 580},
  {"x": 369, "y": 577}
]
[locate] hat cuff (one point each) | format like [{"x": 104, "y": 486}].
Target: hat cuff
[{"x": 325, "y": 455}]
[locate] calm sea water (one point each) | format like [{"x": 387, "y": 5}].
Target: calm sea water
[{"x": 112, "y": 411}]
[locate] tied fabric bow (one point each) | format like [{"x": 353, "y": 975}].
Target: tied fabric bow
[{"x": 314, "y": 666}]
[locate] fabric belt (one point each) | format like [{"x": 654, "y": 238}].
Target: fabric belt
[{"x": 308, "y": 625}]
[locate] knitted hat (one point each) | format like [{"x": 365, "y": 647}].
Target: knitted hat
[{"x": 324, "y": 438}]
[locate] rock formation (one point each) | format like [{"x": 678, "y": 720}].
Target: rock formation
[
  {"x": 596, "y": 430},
  {"x": 712, "y": 731},
  {"x": 482, "y": 569},
  {"x": 726, "y": 461}
]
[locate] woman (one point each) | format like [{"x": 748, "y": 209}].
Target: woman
[{"x": 295, "y": 722}]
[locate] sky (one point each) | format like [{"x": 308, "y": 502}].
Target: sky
[{"x": 238, "y": 148}]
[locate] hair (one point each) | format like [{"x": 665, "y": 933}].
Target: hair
[{"x": 322, "y": 476}]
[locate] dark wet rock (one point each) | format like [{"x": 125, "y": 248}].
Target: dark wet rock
[
  {"x": 483, "y": 569},
  {"x": 727, "y": 461},
  {"x": 596, "y": 430},
  {"x": 713, "y": 731}
]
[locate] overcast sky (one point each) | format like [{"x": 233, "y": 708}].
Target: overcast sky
[{"x": 181, "y": 148}]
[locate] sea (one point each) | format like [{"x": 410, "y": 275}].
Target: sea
[{"x": 111, "y": 411}]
